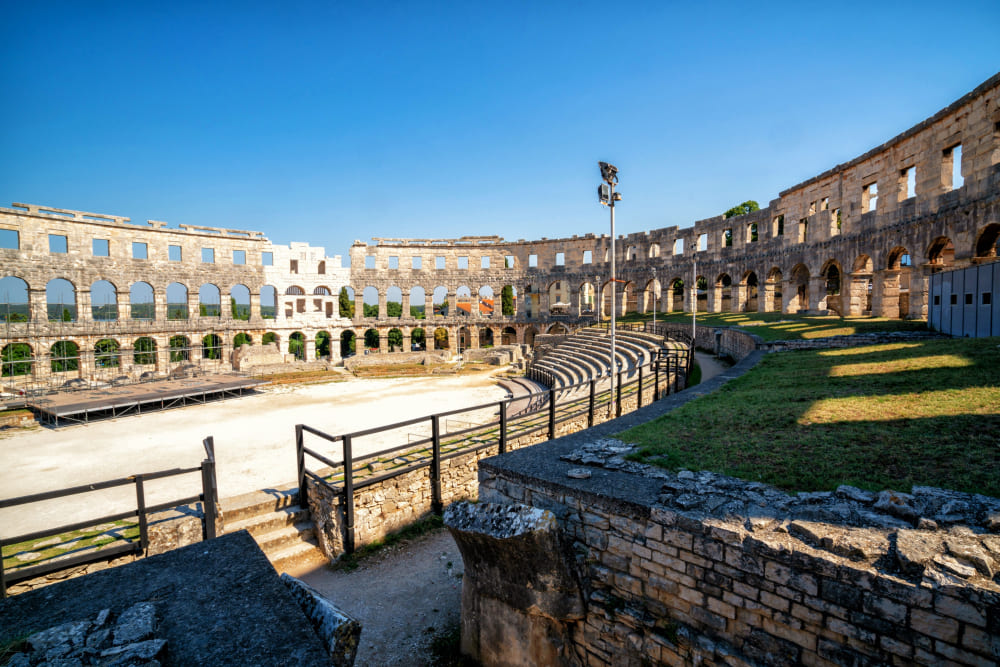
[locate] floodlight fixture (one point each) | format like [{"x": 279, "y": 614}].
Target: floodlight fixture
[{"x": 609, "y": 173}]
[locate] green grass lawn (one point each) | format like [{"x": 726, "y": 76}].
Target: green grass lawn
[
  {"x": 876, "y": 417},
  {"x": 780, "y": 326}
]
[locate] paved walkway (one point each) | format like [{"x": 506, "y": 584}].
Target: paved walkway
[{"x": 710, "y": 367}]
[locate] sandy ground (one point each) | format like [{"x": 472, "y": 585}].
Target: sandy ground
[{"x": 254, "y": 442}]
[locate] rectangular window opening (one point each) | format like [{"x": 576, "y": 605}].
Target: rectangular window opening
[
  {"x": 968, "y": 299},
  {"x": 508, "y": 261},
  {"x": 560, "y": 259},
  {"x": 824, "y": 204},
  {"x": 484, "y": 262},
  {"x": 393, "y": 263},
  {"x": 267, "y": 259},
  {"x": 727, "y": 238},
  {"x": 439, "y": 263},
  {"x": 57, "y": 244},
  {"x": 986, "y": 298},
  {"x": 208, "y": 255},
  {"x": 907, "y": 183},
  {"x": 463, "y": 263},
  {"x": 588, "y": 257},
  {"x": 812, "y": 208},
  {"x": 779, "y": 225},
  {"x": 102, "y": 248},
  {"x": 293, "y": 266},
  {"x": 803, "y": 230},
  {"x": 702, "y": 242},
  {"x": 679, "y": 246},
  {"x": 416, "y": 263},
  {"x": 954, "y": 299},
  {"x": 937, "y": 299},
  {"x": 532, "y": 261},
  {"x": 239, "y": 257},
  {"x": 869, "y": 198},
  {"x": 10, "y": 239},
  {"x": 174, "y": 253},
  {"x": 139, "y": 250},
  {"x": 369, "y": 261}
]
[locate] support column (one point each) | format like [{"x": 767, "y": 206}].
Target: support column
[
  {"x": 383, "y": 342},
  {"x": 817, "y": 294},
  {"x": 310, "y": 349},
  {"x": 84, "y": 313},
  {"x": 37, "y": 306},
  {"x": 406, "y": 306}
]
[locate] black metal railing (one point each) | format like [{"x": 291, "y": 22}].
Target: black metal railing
[
  {"x": 346, "y": 474},
  {"x": 208, "y": 498}
]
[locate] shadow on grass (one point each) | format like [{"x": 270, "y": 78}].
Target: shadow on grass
[{"x": 901, "y": 415}]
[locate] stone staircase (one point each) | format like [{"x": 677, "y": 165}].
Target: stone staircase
[{"x": 278, "y": 524}]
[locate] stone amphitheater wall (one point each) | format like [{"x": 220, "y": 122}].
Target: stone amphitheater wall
[{"x": 831, "y": 244}]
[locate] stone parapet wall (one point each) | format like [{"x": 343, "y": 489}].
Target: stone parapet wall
[{"x": 699, "y": 568}]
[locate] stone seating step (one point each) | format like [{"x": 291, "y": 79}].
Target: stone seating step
[{"x": 265, "y": 523}]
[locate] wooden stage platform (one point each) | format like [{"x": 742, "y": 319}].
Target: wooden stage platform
[{"x": 83, "y": 406}]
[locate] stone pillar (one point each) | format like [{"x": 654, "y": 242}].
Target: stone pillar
[
  {"x": 382, "y": 314},
  {"x": 885, "y": 294},
  {"x": 383, "y": 342},
  {"x": 406, "y": 306},
  {"x": 543, "y": 302},
  {"x": 254, "y": 307},
  {"x": 359, "y": 305},
  {"x": 407, "y": 344},
  {"x": 83, "y": 307},
  {"x": 37, "y": 306},
  {"x": 310, "y": 349},
  {"x": 473, "y": 338},
  {"x": 787, "y": 294},
  {"x": 429, "y": 305},
  {"x": 124, "y": 306},
  {"x": 817, "y": 293}
]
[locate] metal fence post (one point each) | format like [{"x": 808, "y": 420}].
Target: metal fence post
[
  {"x": 300, "y": 461},
  {"x": 209, "y": 495},
  {"x": 639, "y": 393},
  {"x": 552, "y": 414},
  {"x": 656, "y": 378},
  {"x": 618, "y": 398},
  {"x": 140, "y": 500},
  {"x": 590, "y": 404},
  {"x": 503, "y": 428},
  {"x": 348, "y": 495},
  {"x": 436, "y": 505}
]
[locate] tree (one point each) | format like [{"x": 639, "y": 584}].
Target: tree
[
  {"x": 346, "y": 304},
  {"x": 66, "y": 316},
  {"x": 370, "y": 310},
  {"x": 371, "y": 339},
  {"x": 241, "y": 339},
  {"x": 297, "y": 346},
  {"x": 749, "y": 206},
  {"x": 441, "y": 339},
  {"x": 322, "y": 344},
  {"x": 16, "y": 359},
  {"x": 417, "y": 312},
  {"x": 507, "y": 301},
  {"x": 395, "y": 338},
  {"x": 394, "y": 309},
  {"x": 417, "y": 337}
]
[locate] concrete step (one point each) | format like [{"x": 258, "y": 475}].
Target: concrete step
[
  {"x": 282, "y": 538},
  {"x": 299, "y": 558},
  {"x": 257, "y": 503},
  {"x": 265, "y": 523}
]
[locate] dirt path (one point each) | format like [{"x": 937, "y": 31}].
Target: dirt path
[
  {"x": 710, "y": 367},
  {"x": 404, "y": 596}
]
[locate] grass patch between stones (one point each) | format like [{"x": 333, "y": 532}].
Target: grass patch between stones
[{"x": 876, "y": 417}]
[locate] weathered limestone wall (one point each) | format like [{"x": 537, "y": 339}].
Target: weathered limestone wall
[{"x": 698, "y": 568}]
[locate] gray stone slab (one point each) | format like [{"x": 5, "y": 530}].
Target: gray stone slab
[{"x": 218, "y": 603}]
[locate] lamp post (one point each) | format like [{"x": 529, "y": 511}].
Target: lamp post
[
  {"x": 654, "y": 299},
  {"x": 607, "y": 196}
]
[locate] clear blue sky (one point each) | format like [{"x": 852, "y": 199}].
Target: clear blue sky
[{"x": 329, "y": 122}]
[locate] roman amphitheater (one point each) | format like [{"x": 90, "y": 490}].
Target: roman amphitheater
[
  {"x": 94, "y": 296},
  {"x": 586, "y": 554}
]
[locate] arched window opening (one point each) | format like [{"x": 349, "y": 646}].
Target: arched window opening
[
  {"x": 60, "y": 300},
  {"x": 15, "y": 359},
  {"x": 64, "y": 356},
  {"x": 141, "y": 303},
  {"x": 14, "y": 306},
  {"x": 180, "y": 349},
  {"x": 107, "y": 354},
  {"x": 239, "y": 302},
  {"x": 211, "y": 347},
  {"x": 103, "y": 301},
  {"x": 177, "y": 301},
  {"x": 209, "y": 301},
  {"x": 144, "y": 351}
]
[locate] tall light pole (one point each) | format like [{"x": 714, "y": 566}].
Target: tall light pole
[
  {"x": 654, "y": 299},
  {"x": 694, "y": 304},
  {"x": 607, "y": 195}
]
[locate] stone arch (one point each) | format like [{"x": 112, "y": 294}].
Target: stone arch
[
  {"x": 241, "y": 339},
  {"x": 322, "y": 290},
  {"x": 529, "y": 335},
  {"x": 209, "y": 301},
  {"x": 749, "y": 292},
  {"x": 144, "y": 351},
  {"x": 557, "y": 328},
  {"x": 418, "y": 339},
  {"x": 485, "y": 337},
  {"x": 798, "y": 299},
  {"x": 103, "y": 301},
  {"x": 297, "y": 345},
  {"x": 15, "y": 304},
  {"x": 268, "y": 302},
  {"x": 107, "y": 354},
  {"x": 348, "y": 343},
  {"x": 773, "y": 291},
  {"x": 372, "y": 340},
  {"x": 177, "y": 301},
  {"x": 722, "y": 294},
  {"x": 142, "y": 301},
  {"x": 324, "y": 344},
  {"x": 441, "y": 339},
  {"x": 675, "y": 296},
  {"x": 629, "y": 300},
  {"x": 831, "y": 298},
  {"x": 64, "y": 356},
  {"x": 16, "y": 359},
  {"x": 418, "y": 303},
  {"x": 463, "y": 301},
  {"x": 464, "y": 339},
  {"x": 508, "y": 336},
  {"x": 988, "y": 242},
  {"x": 394, "y": 302},
  {"x": 271, "y": 337},
  {"x": 180, "y": 348},
  {"x": 239, "y": 302},
  {"x": 370, "y": 300},
  {"x": 487, "y": 301},
  {"x": 294, "y": 290},
  {"x": 439, "y": 302},
  {"x": 211, "y": 347},
  {"x": 60, "y": 300},
  {"x": 941, "y": 254},
  {"x": 395, "y": 340}
]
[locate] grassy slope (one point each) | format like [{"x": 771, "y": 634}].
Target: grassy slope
[{"x": 883, "y": 416}]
